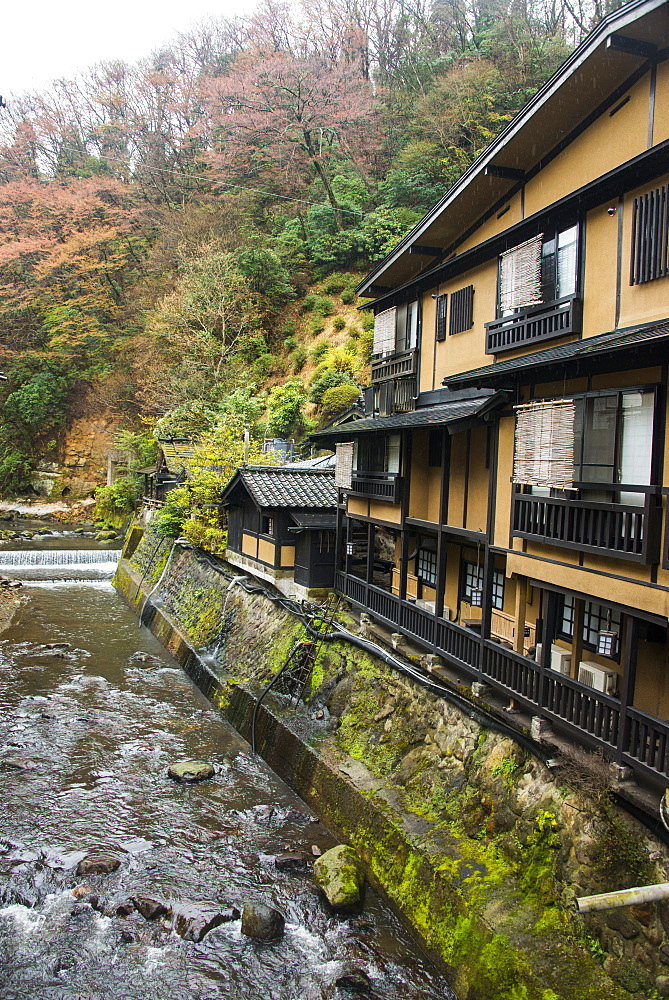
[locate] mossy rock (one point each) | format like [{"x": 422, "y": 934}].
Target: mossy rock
[
  {"x": 190, "y": 770},
  {"x": 340, "y": 875}
]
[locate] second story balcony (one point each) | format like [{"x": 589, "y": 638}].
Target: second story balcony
[
  {"x": 402, "y": 364},
  {"x": 623, "y": 531},
  {"x": 377, "y": 485},
  {"x": 534, "y": 324}
]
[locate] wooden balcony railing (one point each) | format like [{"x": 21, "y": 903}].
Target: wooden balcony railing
[
  {"x": 625, "y": 531},
  {"x": 377, "y": 485},
  {"x": 534, "y": 324},
  {"x": 401, "y": 364},
  {"x": 595, "y": 718}
]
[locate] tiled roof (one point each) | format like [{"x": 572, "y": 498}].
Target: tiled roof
[
  {"x": 429, "y": 416},
  {"x": 281, "y": 486},
  {"x": 579, "y": 350}
]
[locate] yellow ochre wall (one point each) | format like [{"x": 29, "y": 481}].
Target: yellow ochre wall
[
  {"x": 661, "y": 116},
  {"x": 607, "y": 143},
  {"x": 425, "y": 481}
]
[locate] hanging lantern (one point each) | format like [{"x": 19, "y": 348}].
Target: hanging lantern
[
  {"x": 476, "y": 598},
  {"x": 607, "y": 644}
]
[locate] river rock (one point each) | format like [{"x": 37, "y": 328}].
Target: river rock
[
  {"x": 293, "y": 861},
  {"x": 355, "y": 981},
  {"x": 150, "y": 909},
  {"x": 148, "y": 661},
  {"x": 262, "y": 922},
  {"x": 192, "y": 922},
  {"x": 340, "y": 875},
  {"x": 105, "y": 536},
  {"x": 190, "y": 770},
  {"x": 99, "y": 863}
]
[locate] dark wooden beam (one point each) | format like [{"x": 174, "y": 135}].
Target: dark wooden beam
[
  {"x": 631, "y": 46},
  {"x": 507, "y": 173},
  {"x": 426, "y": 251},
  {"x": 378, "y": 290}
]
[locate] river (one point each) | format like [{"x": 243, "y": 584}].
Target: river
[{"x": 87, "y": 732}]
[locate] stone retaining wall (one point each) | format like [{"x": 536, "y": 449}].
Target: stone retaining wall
[{"x": 476, "y": 844}]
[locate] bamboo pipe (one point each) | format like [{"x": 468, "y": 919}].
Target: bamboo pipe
[{"x": 624, "y": 897}]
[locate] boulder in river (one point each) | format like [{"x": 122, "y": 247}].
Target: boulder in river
[
  {"x": 98, "y": 863},
  {"x": 340, "y": 875},
  {"x": 355, "y": 981},
  {"x": 192, "y": 921},
  {"x": 190, "y": 770},
  {"x": 262, "y": 922},
  {"x": 150, "y": 909},
  {"x": 293, "y": 861}
]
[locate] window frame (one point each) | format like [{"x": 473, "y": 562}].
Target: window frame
[
  {"x": 605, "y": 616},
  {"x": 547, "y": 237}
]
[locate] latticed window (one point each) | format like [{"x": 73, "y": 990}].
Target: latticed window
[
  {"x": 442, "y": 302},
  {"x": 462, "y": 310},
  {"x": 650, "y": 236},
  {"x": 472, "y": 585},
  {"x": 426, "y": 569},
  {"x": 596, "y": 619}
]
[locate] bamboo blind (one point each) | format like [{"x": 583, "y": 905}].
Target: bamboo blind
[
  {"x": 544, "y": 444},
  {"x": 344, "y": 465},
  {"x": 520, "y": 275},
  {"x": 384, "y": 332}
]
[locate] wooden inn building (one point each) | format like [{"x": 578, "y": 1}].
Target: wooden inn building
[{"x": 504, "y": 500}]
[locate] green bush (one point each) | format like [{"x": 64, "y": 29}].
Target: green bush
[
  {"x": 309, "y": 303},
  {"x": 367, "y": 319},
  {"x": 326, "y": 380},
  {"x": 290, "y": 343},
  {"x": 337, "y": 400},
  {"x": 285, "y": 414},
  {"x": 338, "y": 323},
  {"x": 348, "y": 296},
  {"x": 324, "y": 306},
  {"x": 298, "y": 359},
  {"x": 264, "y": 364},
  {"x": 318, "y": 352},
  {"x": 115, "y": 502},
  {"x": 354, "y": 332},
  {"x": 317, "y": 327},
  {"x": 336, "y": 283}
]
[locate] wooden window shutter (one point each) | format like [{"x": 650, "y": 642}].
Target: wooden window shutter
[
  {"x": 344, "y": 464},
  {"x": 650, "y": 236},
  {"x": 520, "y": 275},
  {"x": 462, "y": 310},
  {"x": 384, "y": 332},
  {"x": 442, "y": 301},
  {"x": 544, "y": 444}
]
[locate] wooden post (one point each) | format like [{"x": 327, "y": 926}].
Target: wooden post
[
  {"x": 520, "y": 613},
  {"x": 629, "y": 660}
]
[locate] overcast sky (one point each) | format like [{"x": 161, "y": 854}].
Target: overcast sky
[{"x": 46, "y": 39}]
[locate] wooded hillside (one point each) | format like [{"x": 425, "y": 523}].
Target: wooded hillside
[{"x": 162, "y": 225}]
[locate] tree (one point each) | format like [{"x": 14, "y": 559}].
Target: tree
[{"x": 293, "y": 117}]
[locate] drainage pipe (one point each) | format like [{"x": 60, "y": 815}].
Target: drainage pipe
[{"x": 624, "y": 897}]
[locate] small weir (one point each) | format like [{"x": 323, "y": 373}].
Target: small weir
[
  {"x": 92, "y": 712},
  {"x": 59, "y": 564}
]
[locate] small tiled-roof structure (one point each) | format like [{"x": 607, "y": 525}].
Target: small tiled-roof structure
[{"x": 283, "y": 486}]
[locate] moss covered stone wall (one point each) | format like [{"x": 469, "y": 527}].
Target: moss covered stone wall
[{"x": 477, "y": 844}]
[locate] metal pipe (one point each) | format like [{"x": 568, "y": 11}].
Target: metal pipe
[{"x": 624, "y": 897}]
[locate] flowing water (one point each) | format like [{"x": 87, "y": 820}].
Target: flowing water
[{"x": 87, "y": 731}]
